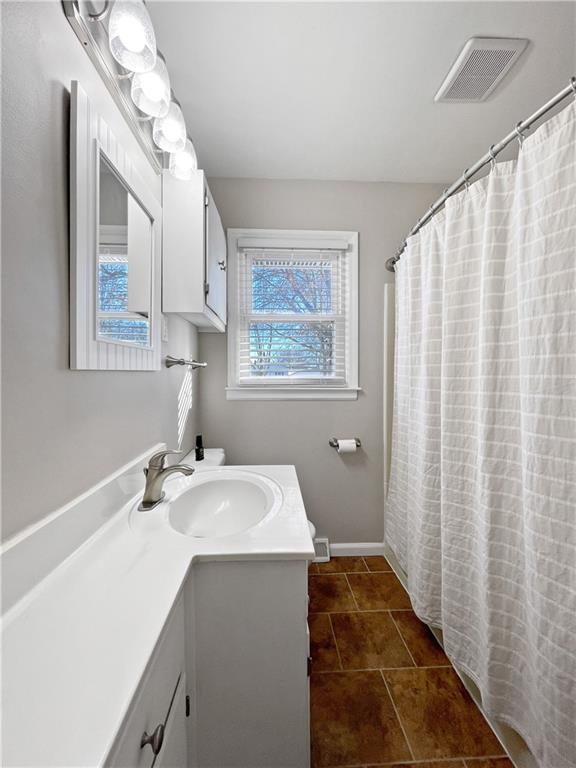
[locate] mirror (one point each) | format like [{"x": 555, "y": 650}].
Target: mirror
[{"x": 124, "y": 270}]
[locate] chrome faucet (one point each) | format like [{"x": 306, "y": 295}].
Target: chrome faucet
[{"x": 156, "y": 473}]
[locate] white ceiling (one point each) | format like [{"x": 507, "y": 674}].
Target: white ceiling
[{"x": 345, "y": 90}]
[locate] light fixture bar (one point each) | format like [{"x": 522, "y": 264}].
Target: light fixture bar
[
  {"x": 85, "y": 31},
  {"x": 143, "y": 94}
]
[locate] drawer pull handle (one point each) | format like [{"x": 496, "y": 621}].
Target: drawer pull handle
[{"x": 155, "y": 740}]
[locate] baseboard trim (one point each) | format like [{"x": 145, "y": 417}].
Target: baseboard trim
[{"x": 357, "y": 549}]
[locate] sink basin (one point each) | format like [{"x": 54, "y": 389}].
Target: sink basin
[{"x": 224, "y": 502}]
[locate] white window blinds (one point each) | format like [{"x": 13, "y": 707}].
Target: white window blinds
[{"x": 293, "y": 317}]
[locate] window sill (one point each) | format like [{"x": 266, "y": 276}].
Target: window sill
[{"x": 292, "y": 393}]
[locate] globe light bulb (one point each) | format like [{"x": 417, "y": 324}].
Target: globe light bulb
[
  {"x": 131, "y": 36},
  {"x": 183, "y": 164},
  {"x": 150, "y": 91},
  {"x": 152, "y": 86},
  {"x": 169, "y": 132}
]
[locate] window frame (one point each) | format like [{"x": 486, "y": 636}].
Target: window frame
[
  {"x": 292, "y": 239},
  {"x": 115, "y": 236}
]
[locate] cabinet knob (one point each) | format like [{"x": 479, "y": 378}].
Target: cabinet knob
[
  {"x": 156, "y": 739},
  {"x": 222, "y": 265}
]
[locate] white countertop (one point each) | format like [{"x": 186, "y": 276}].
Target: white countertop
[{"x": 75, "y": 648}]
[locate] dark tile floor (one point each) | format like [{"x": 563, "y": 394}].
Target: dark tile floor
[{"x": 383, "y": 693}]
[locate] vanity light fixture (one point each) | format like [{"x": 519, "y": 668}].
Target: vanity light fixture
[
  {"x": 169, "y": 132},
  {"x": 137, "y": 76},
  {"x": 131, "y": 36},
  {"x": 150, "y": 91},
  {"x": 183, "y": 164}
]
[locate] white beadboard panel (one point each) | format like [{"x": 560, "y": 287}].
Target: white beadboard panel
[{"x": 89, "y": 136}]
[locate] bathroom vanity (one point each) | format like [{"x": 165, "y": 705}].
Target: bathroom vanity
[
  {"x": 213, "y": 705},
  {"x": 149, "y": 646}
]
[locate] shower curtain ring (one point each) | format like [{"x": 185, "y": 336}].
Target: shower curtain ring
[
  {"x": 492, "y": 157},
  {"x": 573, "y": 84},
  {"x": 466, "y": 179},
  {"x": 519, "y": 133}
]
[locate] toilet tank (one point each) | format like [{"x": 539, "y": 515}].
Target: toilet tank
[{"x": 213, "y": 457}]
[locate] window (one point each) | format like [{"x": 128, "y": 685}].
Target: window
[
  {"x": 293, "y": 322},
  {"x": 114, "y": 320}
]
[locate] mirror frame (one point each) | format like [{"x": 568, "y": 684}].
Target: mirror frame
[{"x": 90, "y": 138}]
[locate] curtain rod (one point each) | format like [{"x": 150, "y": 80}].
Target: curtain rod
[{"x": 489, "y": 157}]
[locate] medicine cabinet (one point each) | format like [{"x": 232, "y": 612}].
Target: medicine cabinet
[
  {"x": 194, "y": 253},
  {"x": 115, "y": 242}
]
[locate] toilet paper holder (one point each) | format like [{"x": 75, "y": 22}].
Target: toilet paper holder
[{"x": 333, "y": 442}]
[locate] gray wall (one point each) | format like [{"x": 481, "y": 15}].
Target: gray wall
[
  {"x": 62, "y": 430},
  {"x": 343, "y": 495}
]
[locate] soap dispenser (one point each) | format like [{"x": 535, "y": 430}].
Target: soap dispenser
[{"x": 199, "y": 453}]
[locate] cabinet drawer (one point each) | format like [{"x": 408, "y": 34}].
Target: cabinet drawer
[
  {"x": 174, "y": 752},
  {"x": 152, "y": 702}
]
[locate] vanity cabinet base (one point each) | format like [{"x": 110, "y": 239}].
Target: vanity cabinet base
[
  {"x": 248, "y": 646},
  {"x": 154, "y": 733}
]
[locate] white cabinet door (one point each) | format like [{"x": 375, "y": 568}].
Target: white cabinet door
[
  {"x": 215, "y": 259},
  {"x": 194, "y": 253},
  {"x": 150, "y": 708},
  {"x": 174, "y": 752},
  {"x": 251, "y": 704}
]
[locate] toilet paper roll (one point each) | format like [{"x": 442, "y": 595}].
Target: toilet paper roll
[{"x": 347, "y": 446}]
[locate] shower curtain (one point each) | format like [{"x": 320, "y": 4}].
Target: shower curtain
[{"x": 481, "y": 508}]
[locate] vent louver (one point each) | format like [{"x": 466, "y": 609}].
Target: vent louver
[
  {"x": 479, "y": 68},
  {"x": 322, "y": 549}
]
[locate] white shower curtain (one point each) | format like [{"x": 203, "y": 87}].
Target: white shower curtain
[{"x": 481, "y": 509}]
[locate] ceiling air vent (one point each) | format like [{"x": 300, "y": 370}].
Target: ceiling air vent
[{"x": 481, "y": 65}]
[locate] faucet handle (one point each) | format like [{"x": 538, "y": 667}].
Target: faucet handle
[{"x": 157, "y": 460}]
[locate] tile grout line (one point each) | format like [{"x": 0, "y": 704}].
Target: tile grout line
[
  {"x": 448, "y": 760},
  {"x": 352, "y": 592},
  {"x": 367, "y": 610},
  {"x": 343, "y": 573},
  {"x": 400, "y": 723},
  {"x": 377, "y": 669},
  {"x": 402, "y": 638},
  {"x": 440, "y": 761},
  {"x": 373, "y": 571},
  {"x": 447, "y": 666},
  {"x": 467, "y": 762},
  {"x": 336, "y": 644}
]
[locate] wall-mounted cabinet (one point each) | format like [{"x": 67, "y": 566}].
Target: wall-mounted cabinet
[{"x": 193, "y": 254}]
